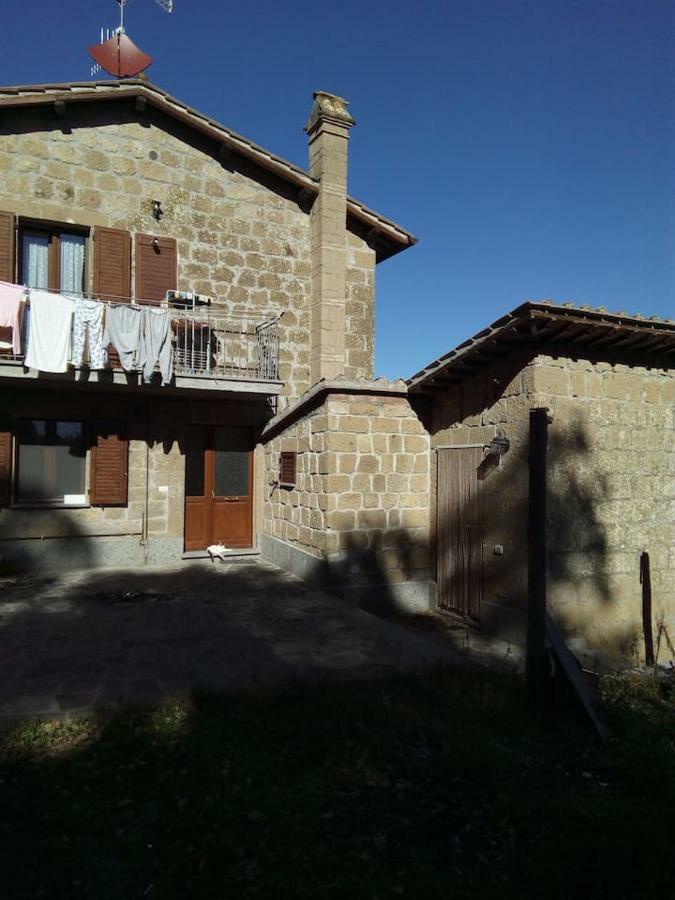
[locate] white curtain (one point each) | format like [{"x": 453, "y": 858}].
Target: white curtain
[
  {"x": 72, "y": 263},
  {"x": 35, "y": 261}
]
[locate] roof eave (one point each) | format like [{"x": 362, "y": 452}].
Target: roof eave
[
  {"x": 651, "y": 335},
  {"x": 384, "y": 235}
]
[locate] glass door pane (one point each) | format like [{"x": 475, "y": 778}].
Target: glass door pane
[
  {"x": 194, "y": 462},
  {"x": 231, "y": 447}
]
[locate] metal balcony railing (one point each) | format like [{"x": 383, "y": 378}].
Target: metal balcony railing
[
  {"x": 206, "y": 343},
  {"x": 210, "y": 344}
]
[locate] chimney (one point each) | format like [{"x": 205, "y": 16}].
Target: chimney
[{"x": 328, "y": 132}]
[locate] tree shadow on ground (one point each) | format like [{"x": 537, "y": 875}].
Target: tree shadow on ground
[{"x": 428, "y": 786}]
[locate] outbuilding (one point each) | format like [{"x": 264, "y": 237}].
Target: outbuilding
[{"x": 608, "y": 382}]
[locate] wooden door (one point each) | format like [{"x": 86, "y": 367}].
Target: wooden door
[
  {"x": 218, "y": 487},
  {"x": 197, "y": 491},
  {"x": 232, "y": 483},
  {"x": 460, "y": 530}
]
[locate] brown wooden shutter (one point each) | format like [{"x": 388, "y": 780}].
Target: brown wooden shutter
[
  {"x": 112, "y": 271},
  {"x": 156, "y": 267},
  {"x": 5, "y": 467},
  {"x": 7, "y": 246},
  {"x": 112, "y": 264},
  {"x": 109, "y": 466},
  {"x": 287, "y": 464}
]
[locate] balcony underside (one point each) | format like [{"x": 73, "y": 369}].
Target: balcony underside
[{"x": 15, "y": 371}]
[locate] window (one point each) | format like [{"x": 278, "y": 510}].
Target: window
[
  {"x": 52, "y": 258},
  {"x": 50, "y": 462},
  {"x": 287, "y": 463}
]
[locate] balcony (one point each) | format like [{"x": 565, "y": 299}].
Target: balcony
[
  {"x": 212, "y": 346},
  {"x": 211, "y": 351}
]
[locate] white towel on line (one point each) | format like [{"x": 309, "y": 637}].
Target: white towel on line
[{"x": 51, "y": 320}]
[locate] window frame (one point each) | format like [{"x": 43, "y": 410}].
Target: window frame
[
  {"x": 52, "y": 231},
  {"x": 17, "y": 503}
]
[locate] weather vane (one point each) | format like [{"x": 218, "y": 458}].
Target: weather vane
[{"x": 117, "y": 54}]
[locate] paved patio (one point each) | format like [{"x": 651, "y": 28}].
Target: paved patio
[{"x": 71, "y": 643}]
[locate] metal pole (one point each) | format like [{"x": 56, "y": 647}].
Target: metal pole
[
  {"x": 646, "y": 582},
  {"x": 537, "y": 666}
]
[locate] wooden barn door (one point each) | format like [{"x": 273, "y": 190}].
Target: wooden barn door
[{"x": 460, "y": 530}]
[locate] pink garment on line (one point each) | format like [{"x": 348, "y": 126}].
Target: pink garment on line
[{"x": 10, "y": 311}]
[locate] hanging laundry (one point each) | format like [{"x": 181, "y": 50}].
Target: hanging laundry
[
  {"x": 123, "y": 331},
  {"x": 88, "y": 321},
  {"x": 51, "y": 320},
  {"x": 156, "y": 344},
  {"x": 25, "y": 325},
  {"x": 11, "y": 309}
]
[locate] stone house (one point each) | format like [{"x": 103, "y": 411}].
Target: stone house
[
  {"x": 117, "y": 191},
  {"x": 272, "y": 436},
  {"x": 608, "y": 381}
]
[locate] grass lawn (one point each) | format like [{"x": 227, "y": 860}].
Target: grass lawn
[{"x": 441, "y": 786}]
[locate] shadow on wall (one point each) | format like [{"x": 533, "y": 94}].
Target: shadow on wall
[
  {"x": 577, "y": 542},
  {"x": 371, "y": 568},
  {"x": 382, "y": 570},
  {"x": 42, "y": 538},
  {"x": 50, "y": 459},
  {"x": 575, "y": 490}
]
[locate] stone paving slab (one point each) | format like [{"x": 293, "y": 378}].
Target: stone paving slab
[{"x": 68, "y": 644}]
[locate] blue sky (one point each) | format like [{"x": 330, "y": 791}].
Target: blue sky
[{"x": 527, "y": 143}]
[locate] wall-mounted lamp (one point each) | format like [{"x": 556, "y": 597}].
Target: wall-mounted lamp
[
  {"x": 157, "y": 211},
  {"x": 497, "y": 447}
]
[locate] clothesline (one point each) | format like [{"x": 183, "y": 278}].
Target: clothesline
[
  {"x": 59, "y": 326},
  {"x": 158, "y": 304},
  {"x": 87, "y": 295}
]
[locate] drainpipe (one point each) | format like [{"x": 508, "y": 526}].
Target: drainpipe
[{"x": 144, "y": 529}]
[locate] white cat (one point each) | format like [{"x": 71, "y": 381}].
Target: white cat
[{"x": 218, "y": 550}]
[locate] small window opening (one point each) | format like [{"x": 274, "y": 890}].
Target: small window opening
[{"x": 287, "y": 468}]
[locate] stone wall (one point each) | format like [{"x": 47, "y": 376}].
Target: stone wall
[
  {"x": 360, "y": 507},
  {"x": 241, "y": 237},
  {"x": 611, "y": 489},
  {"x": 612, "y": 496}
]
